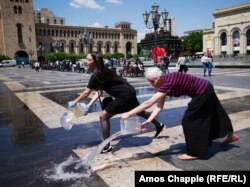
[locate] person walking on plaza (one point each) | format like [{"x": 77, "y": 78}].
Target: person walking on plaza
[
  {"x": 37, "y": 66},
  {"x": 204, "y": 61},
  {"x": 104, "y": 79},
  {"x": 166, "y": 62},
  {"x": 182, "y": 63},
  {"x": 204, "y": 120}
]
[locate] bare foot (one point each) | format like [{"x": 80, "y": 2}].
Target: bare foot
[
  {"x": 186, "y": 157},
  {"x": 234, "y": 137}
]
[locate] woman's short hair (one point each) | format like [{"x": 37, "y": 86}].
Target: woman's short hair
[{"x": 153, "y": 72}]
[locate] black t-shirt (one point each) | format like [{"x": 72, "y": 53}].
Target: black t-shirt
[{"x": 113, "y": 87}]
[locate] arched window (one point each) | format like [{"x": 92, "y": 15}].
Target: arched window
[
  {"x": 90, "y": 47},
  {"x": 236, "y": 38},
  {"x": 72, "y": 48},
  {"x": 19, "y": 33},
  {"x": 107, "y": 48},
  {"x": 15, "y": 9},
  {"x": 116, "y": 48},
  {"x": 99, "y": 50},
  {"x": 248, "y": 37},
  {"x": 223, "y": 38},
  {"x": 81, "y": 48},
  {"x": 248, "y": 41},
  {"x": 51, "y": 47},
  {"x": 20, "y": 10},
  {"x": 236, "y": 43},
  {"x": 47, "y": 20},
  {"x": 62, "y": 47}
]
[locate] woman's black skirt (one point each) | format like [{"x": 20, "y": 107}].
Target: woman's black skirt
[{"x": 204, "y": 120}]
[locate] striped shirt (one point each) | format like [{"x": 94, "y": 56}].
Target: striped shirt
[{"x": 177, "y": 84}]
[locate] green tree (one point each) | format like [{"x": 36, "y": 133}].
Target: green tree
[
  {"x": 192, "y": 43},
  {"x": 3, "y": 57},
  {"x": 118, "y": 55}
]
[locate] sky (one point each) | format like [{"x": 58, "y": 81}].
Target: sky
[{"x": 188, "y": 14}]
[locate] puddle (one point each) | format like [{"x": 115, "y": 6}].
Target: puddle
[{"x": 28, "y": 148}]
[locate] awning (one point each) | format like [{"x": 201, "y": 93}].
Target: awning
[{"x": 199, "y": 53}]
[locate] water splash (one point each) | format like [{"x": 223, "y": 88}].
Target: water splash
[
  {"x": 66, "y": 170},
  {"x": 88, "y": 159}
]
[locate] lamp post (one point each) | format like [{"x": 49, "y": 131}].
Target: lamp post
[
  {"x": 86, "y": 38},
  {"x": 40, "y": 50},
  {"x": 57, "y": 45},
  {"x": 155, "y": 22},
  {"x": 31, "y": 53}
]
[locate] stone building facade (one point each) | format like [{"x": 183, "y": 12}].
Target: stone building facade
[
  {"x": 230, "y": 35},
  {"x": 121, "y": 39},
  {"x": 23, "y": 39},
  {"x": 17, "y": 30}
]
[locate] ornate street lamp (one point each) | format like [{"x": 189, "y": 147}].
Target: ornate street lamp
[
  {"x": 153, "y": 20},
  {"x": 57, "y": 45},
  {"x": 86, "y": 38},
  {"x": 31, "y": 53},
  {"x": 40, "y": 50}
]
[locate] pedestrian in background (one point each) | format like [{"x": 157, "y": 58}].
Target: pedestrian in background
[
  {"x": 204, "y": 61},
  {"x": 182, "y": 63}
]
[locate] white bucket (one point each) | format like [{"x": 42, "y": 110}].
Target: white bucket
[
  {"x": 78, "y": 110},
  {"x": 131, "y": 125},
  {"x": 70, "y": 114}
]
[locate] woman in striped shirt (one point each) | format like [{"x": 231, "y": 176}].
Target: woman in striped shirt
[{"x": 204, "y": 120}]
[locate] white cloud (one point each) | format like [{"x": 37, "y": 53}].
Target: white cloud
[
  {"x": 140, "y": 36},
  {"x": 114, "y": 1},
  {"x": 85, "y": 3},
  {"x": 97, "y": 24}
]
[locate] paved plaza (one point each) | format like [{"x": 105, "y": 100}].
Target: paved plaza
[{"x": 36, "y": 151}]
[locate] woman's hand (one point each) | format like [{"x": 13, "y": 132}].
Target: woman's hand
[
  {"x": 144, "y": 126},
  {"x": 72, "y": 104},
  {"x": 125, "y": 115},
  {"x": 87, "y": 109}
]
